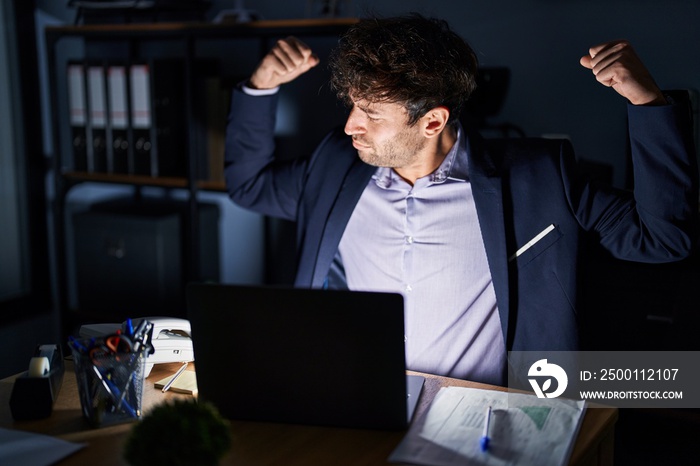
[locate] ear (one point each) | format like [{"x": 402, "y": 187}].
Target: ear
[{"x": 435, "y": 121}]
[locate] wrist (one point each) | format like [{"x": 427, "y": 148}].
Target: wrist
[
  {"x": 254, "y": 82},
  {"x": 652, "y": 100},
  {"x": 248, "y": 89}
]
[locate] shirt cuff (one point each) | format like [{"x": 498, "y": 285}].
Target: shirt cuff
[{"x": 259, "y": 92}]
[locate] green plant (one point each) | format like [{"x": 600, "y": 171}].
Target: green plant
[{"x": 184, "y": 432}]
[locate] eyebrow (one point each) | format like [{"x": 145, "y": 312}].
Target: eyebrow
[{"x": 368, "y": 110}]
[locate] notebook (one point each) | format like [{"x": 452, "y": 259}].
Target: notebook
[{"x": 302, "y": 356}]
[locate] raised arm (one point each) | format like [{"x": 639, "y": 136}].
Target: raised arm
[
  {"x": 254, "y": 178},
  {"x": 288, "y": 59},
  {"x": 616, "y": 64},
  {"x": 660, "y": 223}
]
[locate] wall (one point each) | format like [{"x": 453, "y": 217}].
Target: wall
[
  {"x": 24, "y": 323},
  {"x": 13, "y": 276}
]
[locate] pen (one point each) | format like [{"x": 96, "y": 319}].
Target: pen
[
  {"x": 129, "y": 328},
  {"x": 174, "y": 378},
  {"x": 114, "y": 393},
  {"x": 74, "y": 343},
  {"x": 140, "y": 328},
  {"x": 484, "y": 443}
]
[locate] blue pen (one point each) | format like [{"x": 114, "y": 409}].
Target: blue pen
[
  {"x": 129, "y": 327},
  {"x": 484, "y": 443},
  {"x": 114, "y": 393},
  {"x": 77, "y": 345}
]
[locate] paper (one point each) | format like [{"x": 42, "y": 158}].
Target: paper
[
  {"x": 185, "y": 383},
  {"x": 524, "y": 430},
  {"x": 19, "y": 447}
]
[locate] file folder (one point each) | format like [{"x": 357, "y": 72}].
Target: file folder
[
  {"x": 217, "y": 101},
  {"x": 118, "y": 122},
  {"x": 77, "y": 115},
  {"x": 158, "y": 118},
  {"x": 211, "y": 104},
  {"x": 169, "y": 129},
  {"x": 141, "y": 119},
  {"x": 97, "y": 127}
]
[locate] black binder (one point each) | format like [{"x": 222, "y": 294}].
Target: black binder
[
  {"x": 97, "y": 119},
  {"x": 169, "y": 131},
  {"x": 77, "y": 114},
  {"x": 141, "y": 118},
  {"x": 118, "y": 121},
  {"x": 211, "y": 104},
  {"x": 158, "y": 118}
]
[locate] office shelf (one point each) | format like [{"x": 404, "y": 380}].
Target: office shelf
[{"x": 141, "y": 180}]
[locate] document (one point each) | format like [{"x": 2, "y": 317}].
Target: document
[
  {"x": 27, "y": 449},
  {"x": 185, "y": 383},
  {"x": 522, "y": 430}
]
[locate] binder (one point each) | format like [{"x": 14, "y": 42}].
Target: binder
[
  {"x": 118, "y": 121},
  {"x": 169, "y": 130},
  {"x": 158, "y": 118},
  {"x": 97, "y": 123},
  {"x": 141, "y": 119},
  {"x": 217, "y": 101},
  {"x": 211, "y": 103},
  {"x": 77, "y": 115}
]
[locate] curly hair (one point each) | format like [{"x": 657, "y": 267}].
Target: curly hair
[{"x": 411, "y": 60}]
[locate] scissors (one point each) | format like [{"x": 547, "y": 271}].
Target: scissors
[{"x": 115, "y": 344}]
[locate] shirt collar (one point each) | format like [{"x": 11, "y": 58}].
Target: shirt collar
[{"x": 453, "y": 167}]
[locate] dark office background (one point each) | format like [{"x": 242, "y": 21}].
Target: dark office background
[{"x": 549, "y": 94}]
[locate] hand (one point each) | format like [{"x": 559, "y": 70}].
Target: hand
[
  {"x": 287, "y": 60},
  {"x": 615, "y": 64}
]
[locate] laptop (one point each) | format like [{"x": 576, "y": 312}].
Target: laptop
[{"x": 302, "y": 356}]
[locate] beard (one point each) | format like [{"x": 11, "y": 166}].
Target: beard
[{"x": 400, "y": 151}]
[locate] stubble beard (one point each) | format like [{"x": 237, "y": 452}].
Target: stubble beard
[{"x": 401, "y": 151}]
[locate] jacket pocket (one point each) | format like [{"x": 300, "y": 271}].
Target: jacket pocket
[{"x": 534, "y": 247}]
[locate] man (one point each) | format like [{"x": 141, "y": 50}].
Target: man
[{"x": 483, "y": 238}]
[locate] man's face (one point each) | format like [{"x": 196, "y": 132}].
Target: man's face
[{"x": 382, "y": 136}]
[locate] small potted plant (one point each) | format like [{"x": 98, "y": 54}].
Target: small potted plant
[{"x": 183, "y": 432}]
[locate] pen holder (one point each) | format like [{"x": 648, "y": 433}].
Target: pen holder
[{"x": 110, "y": 385}]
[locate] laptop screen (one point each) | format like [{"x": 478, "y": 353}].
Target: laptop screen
[{"x": 305, "y": 356}]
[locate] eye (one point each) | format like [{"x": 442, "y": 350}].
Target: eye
[{"x": 373, "y": 116}]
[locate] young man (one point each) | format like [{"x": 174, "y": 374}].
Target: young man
[{"x": 483, "y": 238}]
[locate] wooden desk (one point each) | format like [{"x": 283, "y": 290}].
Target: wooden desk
[{"x": 266, "y": 443}]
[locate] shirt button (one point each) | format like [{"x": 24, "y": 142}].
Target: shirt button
[
  {"x": 409, "y": 239},
  {"x": 408, "y": 288}
]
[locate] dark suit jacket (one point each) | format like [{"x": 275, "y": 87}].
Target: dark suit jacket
[{"x": 520, "y": 187}]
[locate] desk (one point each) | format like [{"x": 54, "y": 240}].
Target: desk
[{"x": 256, "y": 443}]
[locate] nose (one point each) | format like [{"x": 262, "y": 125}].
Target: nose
[{"x": 354, "y": 124}]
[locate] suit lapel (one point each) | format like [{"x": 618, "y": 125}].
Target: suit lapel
[
  {"x": 354, "y": 184},
  {"x": 487, "y": 188}
]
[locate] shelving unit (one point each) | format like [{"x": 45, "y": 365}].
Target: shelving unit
[{"x": 134, "y": 39}]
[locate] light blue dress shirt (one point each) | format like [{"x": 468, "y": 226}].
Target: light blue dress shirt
[{"x": 424, "y": 241}]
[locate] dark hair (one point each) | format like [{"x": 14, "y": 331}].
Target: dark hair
[{"x": 411, "y": 60}]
